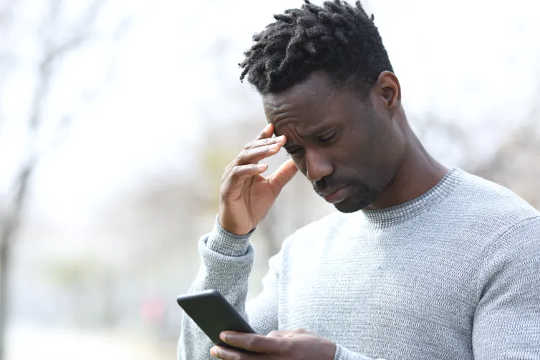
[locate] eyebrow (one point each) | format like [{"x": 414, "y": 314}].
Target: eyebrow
[
  {"x": 312, "y": 133},
  {"x": 317, "y": 130}
]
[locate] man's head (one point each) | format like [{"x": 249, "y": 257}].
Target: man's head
[
  {"x": 327, "y": 85},
  {"x": 337, "y": 38}
]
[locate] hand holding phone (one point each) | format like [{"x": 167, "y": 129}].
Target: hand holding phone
[{"x": 213, "y": 314}]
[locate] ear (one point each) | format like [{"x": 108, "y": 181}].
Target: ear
[{"x": 388, "y": 90}]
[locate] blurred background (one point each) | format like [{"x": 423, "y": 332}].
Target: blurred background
[{"x": 118, "y": 117}]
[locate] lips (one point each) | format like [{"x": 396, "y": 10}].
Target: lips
[{"x": 335, "y": 196}]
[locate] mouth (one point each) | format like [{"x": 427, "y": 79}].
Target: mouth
[{"x": 335, "y": 196}]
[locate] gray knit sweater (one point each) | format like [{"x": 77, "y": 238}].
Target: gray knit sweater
[{"x": 452, "y": 274}]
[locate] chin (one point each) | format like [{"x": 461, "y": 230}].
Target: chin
[
  {"x": 352, "y": 205},
  {"x": 361, "y": 201}
]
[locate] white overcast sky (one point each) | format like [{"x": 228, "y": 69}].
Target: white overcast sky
[{"x": 137, "y": 99}]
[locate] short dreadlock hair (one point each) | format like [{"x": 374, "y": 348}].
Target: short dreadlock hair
[{"x": 337, "y": 38}]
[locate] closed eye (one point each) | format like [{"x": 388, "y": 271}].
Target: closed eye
[{"x": 327, "y": 136}]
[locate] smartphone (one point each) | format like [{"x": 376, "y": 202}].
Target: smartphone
[{"x": 213, "y": 314}]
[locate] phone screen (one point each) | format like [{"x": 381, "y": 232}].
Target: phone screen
[{"x": 213, "y": 314}]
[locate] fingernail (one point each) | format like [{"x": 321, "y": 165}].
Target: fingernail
[
  {"x": 261, "y": 167},
  {"x": 223, "y": 336}
]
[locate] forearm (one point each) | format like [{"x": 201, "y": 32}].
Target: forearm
[{"x": 226, "y": 264}]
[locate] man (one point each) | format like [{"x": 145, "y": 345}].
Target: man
[{"x": 420, "y": 261}]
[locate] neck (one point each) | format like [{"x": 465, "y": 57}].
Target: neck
[{"x": 417, "y": 173}]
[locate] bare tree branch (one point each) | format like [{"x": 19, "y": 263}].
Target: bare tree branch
[{"x": 10, "y": 221}]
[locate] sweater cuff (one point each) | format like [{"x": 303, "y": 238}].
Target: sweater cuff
[{"x": 226, "y": 243}]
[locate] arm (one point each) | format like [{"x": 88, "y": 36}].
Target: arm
[
  {"x": 226, "y": 264},
  {"x": 291, "y": 345},
  {"x": 507, "y": 319},
  {"x": 227, "y": 257}
]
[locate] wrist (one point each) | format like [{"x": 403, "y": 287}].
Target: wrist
[
  {"x": 226, "y": 243},
  {"x": 233, "y": 227}
]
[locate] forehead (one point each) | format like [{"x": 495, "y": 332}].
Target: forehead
[{"x": 306, "y": 104}]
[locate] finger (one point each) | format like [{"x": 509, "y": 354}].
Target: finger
[
  {"x": 282, "y": 175},
  {"x": 252, "y": 342},
  {"x": 277, "y": 333},
  {"x": 225, "y": 353},
  {"x": 266, "y": 132},
  {"x": 265, "y": 141},
  {"x": 250, "y": 156},
  {"x": 239, "y": 172}
]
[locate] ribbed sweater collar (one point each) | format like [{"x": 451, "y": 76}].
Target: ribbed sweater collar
[{"x": 383, "y": 218}]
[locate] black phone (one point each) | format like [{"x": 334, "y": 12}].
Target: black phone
[{"x": 213, "y": 314}]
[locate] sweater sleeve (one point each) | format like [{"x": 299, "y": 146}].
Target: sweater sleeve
[
  {"x": 226, "y": 264},
  {"x": 506, "y": 323}
]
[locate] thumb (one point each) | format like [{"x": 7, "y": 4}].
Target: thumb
[{"x": 282, "y": 176}]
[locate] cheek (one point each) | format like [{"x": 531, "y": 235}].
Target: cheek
[{"x": 361, "y": 149}]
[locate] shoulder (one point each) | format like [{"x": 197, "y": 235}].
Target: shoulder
[
  {"x": 506, "y": 228},
  {"x": 512, "y": 261},
  {"x": 521, "y": 239},
  {"x": 489, "y": 204},
  {"x": 482, "y": 190}
]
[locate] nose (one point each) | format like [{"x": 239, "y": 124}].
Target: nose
[{"x": 317, "y": 166}]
